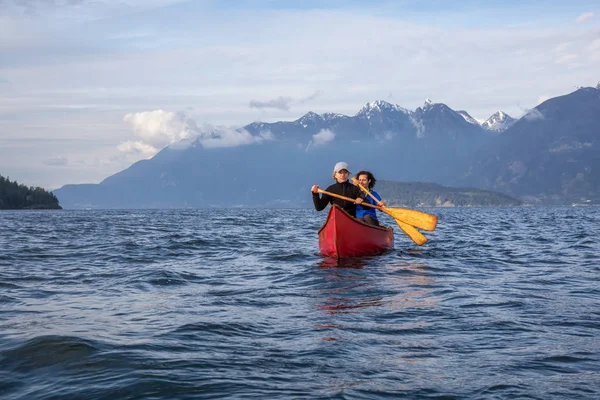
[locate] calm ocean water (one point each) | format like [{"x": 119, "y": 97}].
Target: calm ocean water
[{"x": 502, "y": 303}]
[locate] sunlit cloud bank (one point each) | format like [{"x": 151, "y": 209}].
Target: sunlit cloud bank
[{"x": 154, "y": 130}]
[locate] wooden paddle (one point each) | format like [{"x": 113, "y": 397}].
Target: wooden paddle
[
  {"x": 410, "y": 230},
  {"x": 415, "y": 218},
  {"x": 412, "y": 233}
]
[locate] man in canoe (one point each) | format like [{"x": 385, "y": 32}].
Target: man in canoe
[
  {"x": 368, "y": 214},
  {"x": 342, "y": 187}
]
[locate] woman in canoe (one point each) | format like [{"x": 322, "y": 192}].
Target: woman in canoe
[
  {"x": 342, "y": 187},
  {"x": 367, "y": 214}
]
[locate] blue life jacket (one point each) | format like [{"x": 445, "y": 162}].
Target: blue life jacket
[{"x": 362, "y": 211}]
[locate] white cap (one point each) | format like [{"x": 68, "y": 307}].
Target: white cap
[{"x": 340, "y": 166}]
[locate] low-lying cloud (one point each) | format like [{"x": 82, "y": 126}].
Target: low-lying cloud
[
  {"x": 137, "y": 147},
  {"x": 534, "y": 114},
  {"x": 418, "y": 124},
  {"x": 232, "y": 137},
  {"x": 154, "y": 130},
  {"x": 321, "y": 138},
  {"x": 324, "y": 136}
]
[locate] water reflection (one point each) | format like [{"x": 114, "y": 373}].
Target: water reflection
[
  {"x": 382, "y": 301},
  {"x": 367, "y": 287},
  {"x": 398, "y": 284},
  {"x": 336, "y": 305},
  {"x": 352, "y": 262},
  {"x": 379, "y": 298},
  {"x": 412, "y": 283}
]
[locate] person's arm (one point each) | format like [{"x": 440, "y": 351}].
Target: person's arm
[
  {"x": 376, "y": 201},
  {"x": 358, "y": 194},
  {"x": 379, "y": 202},
  {"x": 320, "y": 202}
]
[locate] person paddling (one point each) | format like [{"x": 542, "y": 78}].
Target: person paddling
[
  {"x": 341, "y": 172},
  {"x": 368, "y": 214}
]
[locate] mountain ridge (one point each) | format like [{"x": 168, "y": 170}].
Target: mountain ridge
[
  {"x": 432, "y": 144},
  {"x": 556, "y": 161}
]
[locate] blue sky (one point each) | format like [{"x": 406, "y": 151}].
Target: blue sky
[{"x": 89, "y": 87}]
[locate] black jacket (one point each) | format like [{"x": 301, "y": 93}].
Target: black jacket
[{"x": 345, "y": 189}]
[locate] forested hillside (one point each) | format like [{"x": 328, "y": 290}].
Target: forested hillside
[
  {"x": 415, "y": 194},
  {"x": 15, "y": 196}
]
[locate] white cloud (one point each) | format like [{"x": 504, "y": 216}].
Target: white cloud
[
  {"x": 584, "y": 17},
  {"x": 229, "y": 137},
  {"x": 418, "y": 124},
  {"x": 220, "y": 136},
  {"x": 153, "y": 130},
  {"x": 534, "y": 114},
  {"x": 137, "y": 147},
  {"x": 323, "y": 137},
  {"x": 157, "y": 129}
]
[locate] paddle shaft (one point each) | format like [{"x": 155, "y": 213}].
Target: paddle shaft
[
  {"x": 339, "y": 196},
  {"x": 364, "y": 189},
  {"x": 410, "y": 230},
  {"x": 415, "y": 218}
]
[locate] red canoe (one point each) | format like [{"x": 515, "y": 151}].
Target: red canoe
[{"x": 342, "y": 236}]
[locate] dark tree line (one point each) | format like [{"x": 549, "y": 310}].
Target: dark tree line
[
  {"x": 415, "y": 194},
  {"x": 15, "y": 196}
]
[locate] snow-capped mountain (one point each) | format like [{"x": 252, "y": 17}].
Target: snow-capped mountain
[
  {"x": 332, "y": 116},
  {"x": 310, "y": 118},
  {"x": 549, "y": 155},
  {"x": 439, "y": 122},
  {"x": 468, "y": 117},
  {"x": 498, "y": 122},
  {"x": 379, "y": 107},
  {"x": 428, "y": 104},
  {"x": 314, "y": 118}
]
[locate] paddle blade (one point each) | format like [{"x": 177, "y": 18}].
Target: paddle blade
[
  {"x": 412, "y": 233},
  {"x": 417, "y": 219}
]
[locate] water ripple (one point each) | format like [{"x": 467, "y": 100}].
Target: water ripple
[{"x": 187, "y": 304}]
